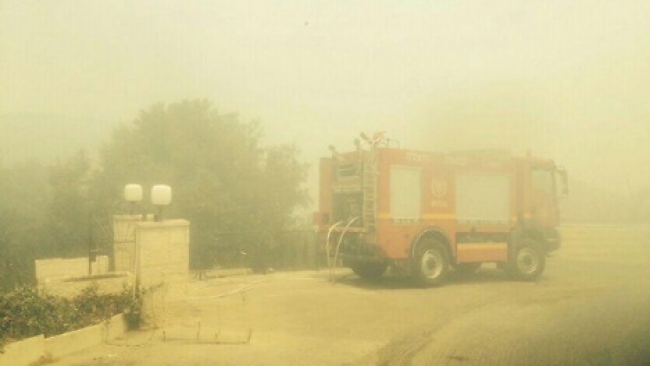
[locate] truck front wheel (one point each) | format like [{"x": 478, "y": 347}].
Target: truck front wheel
[
  {"x": 431, "y": 263},
  {"x": 528, "y": 263}
]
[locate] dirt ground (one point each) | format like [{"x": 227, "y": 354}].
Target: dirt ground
[{"x": 591, "y": 306}]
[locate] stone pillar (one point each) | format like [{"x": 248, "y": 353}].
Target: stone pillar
[
  {"x": 163, "y": 264},
  {"x": 163, "y": 251}
]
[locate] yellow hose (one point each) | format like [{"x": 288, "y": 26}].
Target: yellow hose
[{"x": 338, "y": 245}]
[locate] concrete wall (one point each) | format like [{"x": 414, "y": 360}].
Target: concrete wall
[
  {"x": 31, "y": 350},
  {"x": 72, "y": 342},
  {"x": 24, "y": 352},
  {"x": 69, "y": 267},
  {"x": 72, "y": 286}
]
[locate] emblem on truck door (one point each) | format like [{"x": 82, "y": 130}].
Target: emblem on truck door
[
  {"x": 439, "y": 192},
  {"x": 438, "y": 188}
]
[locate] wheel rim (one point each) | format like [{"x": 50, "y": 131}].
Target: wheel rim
[
  {"x": 527, "y": 261},
  {"x": 431, "y": 264}
]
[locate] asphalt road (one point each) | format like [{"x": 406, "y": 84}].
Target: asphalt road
[
  {"x": 581, "y": 313},
  {"x": 591, "y": 307}
]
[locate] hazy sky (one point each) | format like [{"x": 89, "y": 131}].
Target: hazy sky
[{"x": 567, "y": 79}]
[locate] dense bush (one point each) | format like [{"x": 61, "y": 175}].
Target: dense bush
[{"x": 25, "y": 313}]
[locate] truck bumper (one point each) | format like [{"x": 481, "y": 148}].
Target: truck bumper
[{"x": 553, "y": 240}]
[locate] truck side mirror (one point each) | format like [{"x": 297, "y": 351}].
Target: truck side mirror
[{"x": 561, "y": 183}]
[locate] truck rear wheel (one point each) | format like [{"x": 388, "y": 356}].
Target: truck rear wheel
[
  {"x": 369, "y": 270},
  {"x": 431, "y": 263},
  {"x": 528, "y": 263}
]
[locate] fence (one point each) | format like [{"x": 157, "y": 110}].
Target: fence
[{"x": 259, "y": 250}]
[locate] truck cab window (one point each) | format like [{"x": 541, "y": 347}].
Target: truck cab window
[{"x": 543, "y": 179}]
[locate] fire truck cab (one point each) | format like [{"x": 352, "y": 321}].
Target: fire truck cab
[{"x": 424, "y": 213}]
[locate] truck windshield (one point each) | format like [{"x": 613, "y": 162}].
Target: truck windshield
[{"x": 543, "y": 179}]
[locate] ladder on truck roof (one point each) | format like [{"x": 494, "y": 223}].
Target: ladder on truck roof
[{"x": 369, "y": 188}]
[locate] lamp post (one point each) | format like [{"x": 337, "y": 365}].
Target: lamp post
[{"x": 133, "y": 195}]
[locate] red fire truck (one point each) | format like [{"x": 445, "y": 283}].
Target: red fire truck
[{"x": 424, "y": 214}]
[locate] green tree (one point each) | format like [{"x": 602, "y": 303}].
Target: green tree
[
  {"x": 69, "y": 222},
  {"x": 223, "y": 179},
  {"x": 22, "y": 221}
]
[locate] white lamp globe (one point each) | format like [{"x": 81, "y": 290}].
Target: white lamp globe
[
  {"x": 133, "y": 193},
  {"x": 161, "y": 195}
]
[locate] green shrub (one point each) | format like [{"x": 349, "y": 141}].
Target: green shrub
[{"x": 25, "y": 313}]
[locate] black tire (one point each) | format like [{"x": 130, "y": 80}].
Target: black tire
[
  {"x": 527, "y": 263},
  {"x": 468, "y": 268},
  {"x": 369, "y": 271},
  {"x": 430, "y": 263}
]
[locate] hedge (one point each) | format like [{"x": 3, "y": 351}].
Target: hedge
[{"x": 24, "y": 312}]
